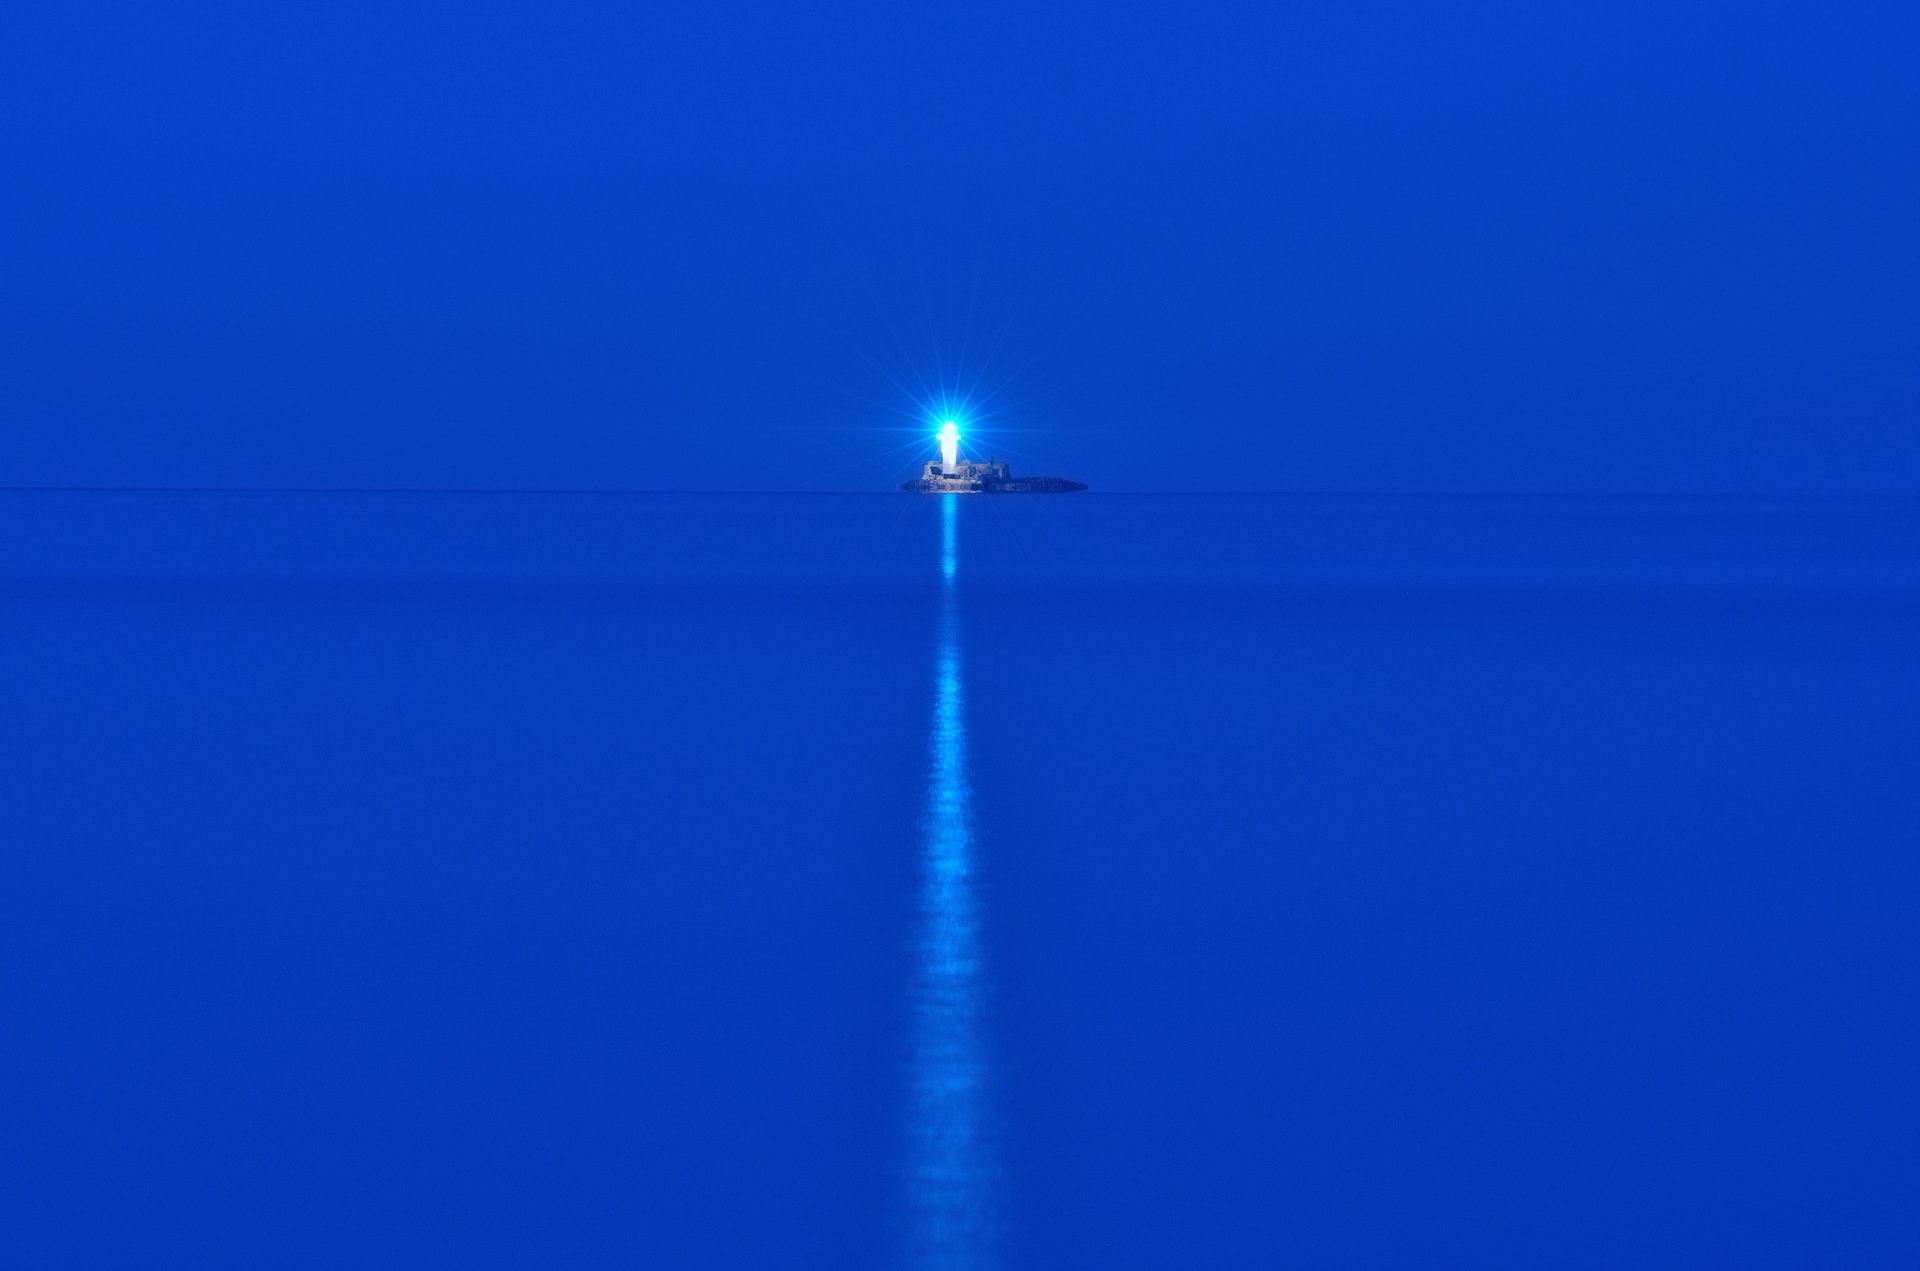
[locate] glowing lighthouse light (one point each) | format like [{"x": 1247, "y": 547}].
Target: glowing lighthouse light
[{"x": 949, "y": 444}]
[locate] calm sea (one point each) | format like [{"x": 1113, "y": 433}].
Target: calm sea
[{"x": 500, "y": 880}]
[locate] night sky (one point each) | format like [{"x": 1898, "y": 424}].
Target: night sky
[{"x": 1329, "y": 246}]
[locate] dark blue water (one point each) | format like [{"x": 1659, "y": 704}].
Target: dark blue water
[{"x": 846, "y": 881}]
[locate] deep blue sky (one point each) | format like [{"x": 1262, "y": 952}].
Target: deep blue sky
[{"x": 1328, "y": 246}]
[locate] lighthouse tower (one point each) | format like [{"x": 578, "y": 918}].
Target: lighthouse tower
[{"x": 950, "y": 474}]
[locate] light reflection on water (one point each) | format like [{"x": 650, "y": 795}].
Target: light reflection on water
[{"x": 952, "y": 1170}]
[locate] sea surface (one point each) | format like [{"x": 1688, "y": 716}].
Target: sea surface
[{"x": 848, "y": 881}]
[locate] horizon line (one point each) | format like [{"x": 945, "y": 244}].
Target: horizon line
[{"x": 1286, "y": 493}]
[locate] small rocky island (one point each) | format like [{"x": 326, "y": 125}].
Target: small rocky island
[{"x": 985, "y": 478}]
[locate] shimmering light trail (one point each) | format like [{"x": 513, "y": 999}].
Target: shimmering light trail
[{"x": 953, "y": 1169}]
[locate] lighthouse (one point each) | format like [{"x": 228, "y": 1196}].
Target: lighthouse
[{"x": 951, "y": 476}]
